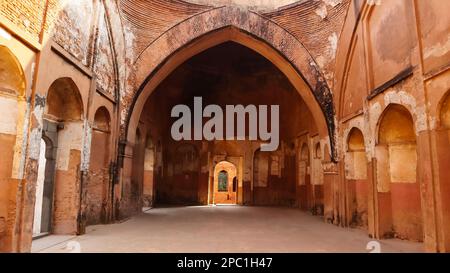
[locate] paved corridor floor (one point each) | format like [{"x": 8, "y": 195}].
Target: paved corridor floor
[{"x": 221, "y": 229}]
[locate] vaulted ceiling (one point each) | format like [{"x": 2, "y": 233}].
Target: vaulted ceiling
[{"x": 315, "y": 23}]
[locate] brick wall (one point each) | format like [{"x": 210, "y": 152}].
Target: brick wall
[{"x": 26, "y": 14}]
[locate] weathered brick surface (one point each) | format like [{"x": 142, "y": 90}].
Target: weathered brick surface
[
  {"x": 72, "y": 28},
  {"x": 318, "y": 25},
  {"x": 104, "y": 63},
  {"x": 26, "y": 14}
]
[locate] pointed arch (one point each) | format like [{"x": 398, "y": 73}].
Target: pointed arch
[
  {"x": 249, "y": 29},
  {"x": 64, "y": 102}
]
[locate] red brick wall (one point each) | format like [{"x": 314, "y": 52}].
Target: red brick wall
[{"x": 26, "y": 14}]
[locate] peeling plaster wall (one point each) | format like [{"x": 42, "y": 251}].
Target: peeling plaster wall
[
  {"x": 71, "y": 138},
  {"x": 26, "y": 14},
  {"x": 318, "y": 25},
  {"x": 36, "y": 132},
  {"x": 8, "y": 123},
  {"x": 73, "y": 24},
  {"x": 435, "y": 35},
  {"x": 104, "y": 63}
]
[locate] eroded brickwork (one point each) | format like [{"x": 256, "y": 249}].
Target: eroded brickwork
[{"x": 27, "y": 15}]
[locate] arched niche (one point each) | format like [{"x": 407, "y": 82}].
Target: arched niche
[
  {"x": 64, "y": 101},
  {"x": 12, "y": 77},
  {"x": 399, "y": 197},
  {"x": 355, "y": 156},
  {"x": 102, "y": 120},
  {"x": 356, "y": 179}
]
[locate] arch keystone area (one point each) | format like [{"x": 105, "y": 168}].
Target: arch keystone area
[{"x": 220, "y": 25}]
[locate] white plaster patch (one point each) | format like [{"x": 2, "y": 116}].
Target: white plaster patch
[
  {"x": 375, "y": 112},
  {"x": 333, "y": 39},
  {"x": 332, "y": 3},
  {"x": 8, "y": 121},
  {"x": 78, "y": 19},
  {"x": 36, "y": 134},
  {"x": 437, "y": 50},
  {"x": 149, "y": 159},
  {"x": 322, "y": 11},
  {"x": 321, "y": 61},
  {"x": 71, "y": 138},
  {"x": 35, "y": 137},
  {"x": 39, "y": 190},
  {"x": 21, "y": 141},
  {"x": 403, "y": 98},
  {"x": 373, "y": 2},
  {"x": 4, "y": 34},
  {"x": 400, "y": 97},
  {"x": 86, "y": 152},
  {"x": 421, "y": 119},
  {"x": 123, "y": 116},
  {"x": 325, "y": 59}
]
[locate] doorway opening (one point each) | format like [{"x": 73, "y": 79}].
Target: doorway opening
[
  {"x": 43, "y": 209},
  {"x": 225, "y": 184}
]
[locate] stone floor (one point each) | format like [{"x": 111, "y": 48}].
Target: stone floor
[{"x": 220, "y": 229}]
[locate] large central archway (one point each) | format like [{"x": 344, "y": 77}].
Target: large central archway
[{"x": 249, "y": 29}]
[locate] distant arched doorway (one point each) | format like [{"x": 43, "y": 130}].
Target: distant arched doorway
[
  {"x": 149, "y": 172},
  {"x": 304, "y": 172},
  {"x": 225, "y": 183}
]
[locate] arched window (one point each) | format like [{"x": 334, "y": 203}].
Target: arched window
[{"x": 223, "y": 181}]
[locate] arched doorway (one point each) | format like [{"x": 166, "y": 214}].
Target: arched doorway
[
  {"x": 220, "y": 65},
  {"x": 225, "y": 191},
  {"x": 399, "y": 199},
  {"x": 12, "y": 103},
  {"x": 43, "y": 208},
  {"x": 356, "y": 179},
  {"x": 98, "y": 199},
  {"x": 149, "y": 172},
  {"x": 305, "y": 188},
  {"x": 64, "y": 125}
]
